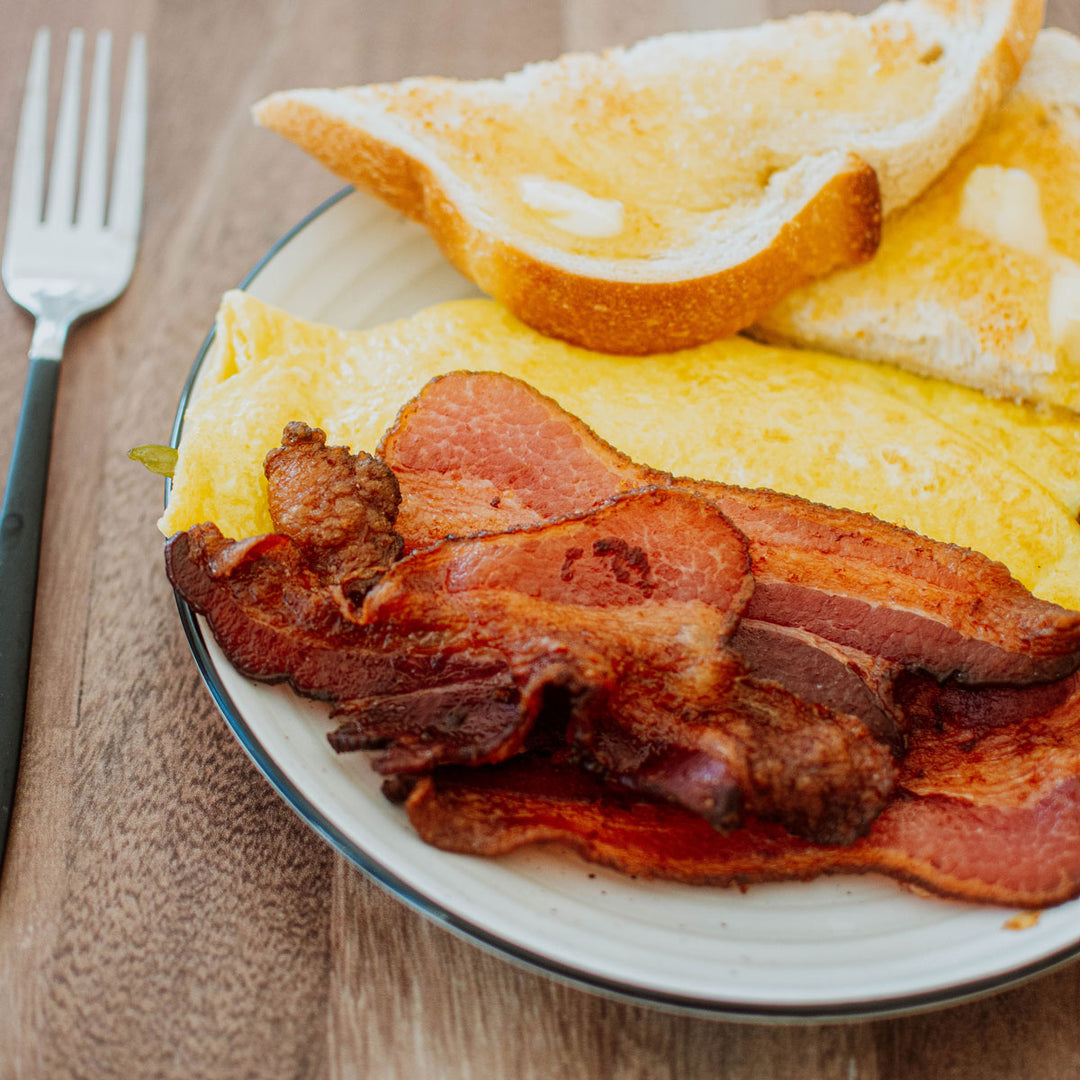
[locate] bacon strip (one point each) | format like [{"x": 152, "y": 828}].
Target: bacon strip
[
  {"x": 1004, "y": 747},
  {"x": 655, "y": 554},
  {"x": 636, "y": 637},
  {"x": 989, "y": 809},
  {"x": 861, "y": 582},
  {"x": 486, "y": 453},
  {"x": 755, "y": 750},
  {"x": 1025, "y": 856},
  {"x": 337, "y": 508},
  {"x": 463, "y": 658},
  {"x": 822, "y": 672},
  {"x": 469, "y": 723},
  {"x": 275, "y": 624},
  {"x": 509, "y": 456}
]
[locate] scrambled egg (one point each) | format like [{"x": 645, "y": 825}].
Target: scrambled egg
[{"x": 943, "y": 460}]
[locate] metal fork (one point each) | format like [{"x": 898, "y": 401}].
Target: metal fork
[{"x": 60, "y": 266}]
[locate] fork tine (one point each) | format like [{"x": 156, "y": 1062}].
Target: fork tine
[
  {"x": 95, "y": 157},
  {"x": 125, "y": 204},
  {"x": 28, "y": 182},
  {"x": 60, "y": 206}
]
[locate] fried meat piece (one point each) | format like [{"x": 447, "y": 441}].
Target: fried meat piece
[
  {"x": 1023, "y": 856},
  {"x": 472, "y": 722},
  {"x": 275, "y": 622},
  {"x": 282, "y": 608},
  {"x": 337, "y": 507},
  {"x": 987, "y": 808},
  {"x": 845, "y": 577},
  {"x": 825, "y": 673},
  {"x": 598, "y": 607}
]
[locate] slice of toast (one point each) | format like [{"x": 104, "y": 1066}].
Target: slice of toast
[
  {"x": 670, "y": 193},
  {"x": 978, "y": 281}
]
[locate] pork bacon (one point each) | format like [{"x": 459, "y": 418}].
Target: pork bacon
[
  {"x": 635, "y": 637},
  {"x": 486, "y": 452}
]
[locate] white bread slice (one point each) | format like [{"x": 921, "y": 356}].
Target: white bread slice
[
  {"x": 669, "y": 193},
  {"x": 945, "y": 299}
]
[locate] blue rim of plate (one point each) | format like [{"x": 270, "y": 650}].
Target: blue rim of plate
[{"x": 718, "y": 1008}]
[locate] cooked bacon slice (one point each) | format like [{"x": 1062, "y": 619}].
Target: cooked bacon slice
[
  {"x": 649, "y": 553},
  {"x": 820, "y": 671},
  {"x": 1001, "y": 746},
  {"x": 1024, "y": 856},
  {"x": 843, "y": 576},
  {"x": 989, "y": 808},
  {"x": 754, "y": 749},
  {"x": 338, "y": 508},
  {"x": 859, "y": 581},
  {"x": 468, "y": 723},
  {"x": 282, "y": 608},
  {"x": 635, "y": 638},
  {"x": 267, "y": 612},
  {"x": 276, "y": 623},
  {"x": 486, "y": 453},
  {"x": 601, "y": 597}
]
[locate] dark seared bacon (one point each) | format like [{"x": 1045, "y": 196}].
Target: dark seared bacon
[
  {"x": 754, "y": 749},
  {"x": 820, "y": 671},
  {"x": 634, "y": 637},
  {"x": 477, "y": 721},
  {"x": 338, "y": 508},
  {"x": 843, "y": 576},
  {"x": 1023, "y": 856},
  {"x": 276, "y": 624},
  {"x": 988, "y": 808},
  {"x": 616, "y": 677}
]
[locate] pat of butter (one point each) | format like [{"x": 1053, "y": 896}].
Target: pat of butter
[
  {"x": 1003, "y": 205},
  {"x": 571, "y": 209},
  {"x": 1065, "y": 310}
]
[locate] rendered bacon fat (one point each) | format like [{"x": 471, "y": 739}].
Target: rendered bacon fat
[
  {"x": 625, "y": 609},
  {"x": 487, "y": 452}
]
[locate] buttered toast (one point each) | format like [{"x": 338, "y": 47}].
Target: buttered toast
[
  {"x": 979, "y": 280},
  {"x": 670, "y": 193}
]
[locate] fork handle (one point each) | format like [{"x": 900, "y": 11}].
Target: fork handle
[{"x": 20, "y": 545}]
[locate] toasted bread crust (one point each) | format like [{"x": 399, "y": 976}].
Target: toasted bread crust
[
  {"x": 839, "y": 226},
  {"x": 634, "y": 305},
  {"x": 918, "y": 166},
  {"x": 966, "y": 308}
]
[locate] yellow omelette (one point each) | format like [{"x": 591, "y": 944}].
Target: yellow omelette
[{"x": 943, "y": 460}]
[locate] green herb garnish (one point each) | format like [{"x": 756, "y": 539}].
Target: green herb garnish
[{"x": 158, "y": 459}]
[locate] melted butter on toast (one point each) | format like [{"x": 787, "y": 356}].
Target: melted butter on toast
[
  {"x": 605, "y": 128},
  {"x": 963, "y": 303}
]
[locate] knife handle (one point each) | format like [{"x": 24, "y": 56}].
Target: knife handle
[{"x": 20, "y": 546}]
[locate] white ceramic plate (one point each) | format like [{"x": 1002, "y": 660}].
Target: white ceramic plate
[{"x": 836, "y": 948}]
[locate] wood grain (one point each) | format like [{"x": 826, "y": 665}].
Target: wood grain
[{"x": 162, "y": 913}]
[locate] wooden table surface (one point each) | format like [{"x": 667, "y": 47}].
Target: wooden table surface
[{"x": 162, "y": 912}]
